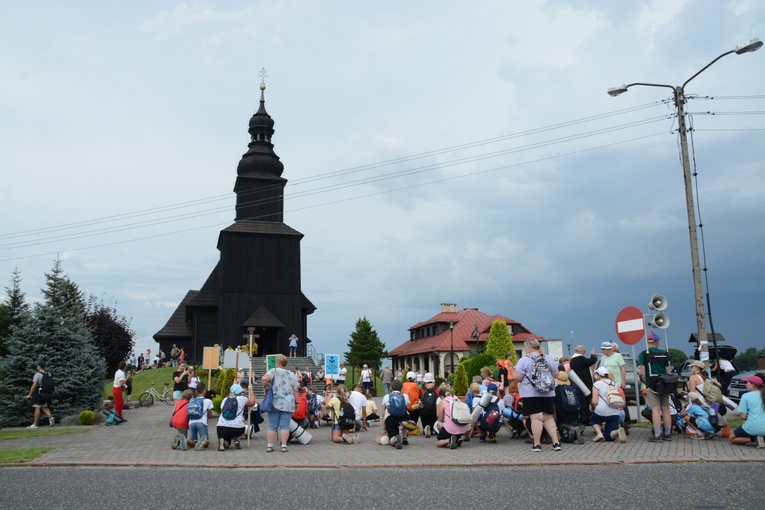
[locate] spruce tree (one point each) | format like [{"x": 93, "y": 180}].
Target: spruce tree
[
  {"x": 365, "y": 346},
  {"x": 54, "y": 331},
  {"x": 12, "y": 310}
]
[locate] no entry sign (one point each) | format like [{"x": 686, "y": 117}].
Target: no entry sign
[{"x": 630, "y": 325}]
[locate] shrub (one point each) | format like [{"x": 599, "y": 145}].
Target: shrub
[
  {"x": 87, "y": 418},
  {"x": 216, "y": 403},
  {"x": 474, "y": 364},
  {"x": 460, "y": 380}
]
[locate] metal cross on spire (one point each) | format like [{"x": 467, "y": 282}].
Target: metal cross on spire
[{"x": 263, "y": 75}]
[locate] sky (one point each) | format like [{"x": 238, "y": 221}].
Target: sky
[{"x": 436, "y": 152}]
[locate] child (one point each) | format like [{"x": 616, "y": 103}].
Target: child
[
  {"x": 198, "y": 432},
  {"x": 487, "y": 414},
  {"x": 449, "y": 433},
  {"x": 180, "y": 421},
  {"x": 111, "y": 414},
  {"x": 372, "y": 416},
  {"x": 696, "y": 416},
  {"x": 513, "y": 411},
  {"x": 129, "y": 385}
]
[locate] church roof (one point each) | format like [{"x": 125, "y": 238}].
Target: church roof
[
  {"x": 263, "y": 318},
  {"x": 176, "y": 326},
  {"x": 261, "y": 227},
  {"x": 208, "y": 295}
]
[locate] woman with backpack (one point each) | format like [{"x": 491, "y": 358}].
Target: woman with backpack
[
  {"x": 449, "y": 432},
  {"x": 232, "y": 417},
  {"x": 603, "y": 412},
  {"x": 342, "y": 408},
  {"x": 536, "y": 373}
]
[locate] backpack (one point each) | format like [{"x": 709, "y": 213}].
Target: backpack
[
  {"x": 313, "y": 403},
  {"x": 347, "y": 416},
  {"x": 567, "y": 435},
  {"x": 230, "y": 409},
  {"x": 428, "y": 403},
  {"x": 491, "y": 419},
  {"x": 460, "y": 413},
  {"x": 397, "y": 405},
  {"x": 47, "y": 384},
  {"x": 305, "y": 379},
  {"x": 414, "y": 395},
  {"x": 613, "y": 398},
  {"x": 712, "y": 391},
  {"x": 541, "y": 375},
  {"x": 569, "y": 399},
  {"x": 301, "y": 409},
  {"x": 196, "y": 409}
]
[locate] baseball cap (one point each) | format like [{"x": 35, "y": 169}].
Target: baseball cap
[
  {"x": 602, "y": 371},
  {"x": 606, "y": 345},
  {"x": 699, "y": 364},
  {"x": 411, "y": 376},
  {"x": 492, "y": 388},
  {"x": 41, "y": 363},
  {"x": 754, "y": 379}
]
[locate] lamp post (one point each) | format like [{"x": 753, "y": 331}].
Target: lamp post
[
  {"x": 451, "y": 350},
  {"x": 679, "y": 98},
  {"x": 475, "y": 334},
  {"x": 435, "y": 360}
]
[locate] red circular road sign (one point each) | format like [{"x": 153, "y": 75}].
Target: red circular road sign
[{"x": 630, "y": 325}]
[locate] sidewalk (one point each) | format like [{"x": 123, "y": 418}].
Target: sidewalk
[{"x": 145, "y": 441}]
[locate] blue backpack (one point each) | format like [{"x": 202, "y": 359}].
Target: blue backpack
[
  {"x": 569, "y": 399},
  {"x": 230, "y": 409},
  {"x": 196, "y": 409},
  {"x": 397, "y": 405}
]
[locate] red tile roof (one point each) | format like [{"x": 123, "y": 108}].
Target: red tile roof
[{"x": 464, "y": 323}]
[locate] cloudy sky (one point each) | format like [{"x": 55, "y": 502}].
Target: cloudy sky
[{"x": 437, "y": 152}]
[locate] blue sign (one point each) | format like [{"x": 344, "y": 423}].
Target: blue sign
[{"x": 332, "y": 364}]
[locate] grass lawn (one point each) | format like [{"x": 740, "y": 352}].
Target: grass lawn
[
  {"x": 6, "y": 435},
  {"x": 17, "y": 455},
  {"x": 142, "y": 381}
]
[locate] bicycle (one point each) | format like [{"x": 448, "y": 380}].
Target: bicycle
[{"x": 147, "y": 397}]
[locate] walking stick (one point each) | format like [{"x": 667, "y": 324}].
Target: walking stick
[{"x": 252, "y": 382}]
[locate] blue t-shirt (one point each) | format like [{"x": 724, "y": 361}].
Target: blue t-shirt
[
  {"x": 751, "y": 404},
  {"x": 702, "y": 417}
]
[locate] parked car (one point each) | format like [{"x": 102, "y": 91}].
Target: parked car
[
  {"x": 685, "y": 372},
  {"x": 737, "y": 386}
]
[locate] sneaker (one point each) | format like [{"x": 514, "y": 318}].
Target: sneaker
[
  {"x": 536, "y": 448},
  {"x": 221, "y": 445},
  {"x": 183, "y": 443},
  {"x": 666, "y": 437},
  {"x": 466, "y": 437},
  {"x": 556, "y": 447},
  {"x": 200, "y": 443},
  {"x": 622, "y": 435},
  {"x": 405, "y": 442},
  {"x": 344, "y": 439},
  {"x": 654, "y": 439},
  {"x": 760, "y": 441},
  {"x": 579, "y": 439},
  {"x": 492, "y": 438},
  {"x": 459, "y": 441},
  {"x": 33, "y": 426},
  {"x": 453, "y": 442},
  {"x": 399, "y": 442},
  {"x": 237, "y": 444},
  {"x": 176, "y": 442},
  {"x": 52, "y": 421},
  {"x": 427, "y": 430},
  {"x": 356, "y": 440},
  {"x": 392, "y": 441},
  {"x": 206, "y": 443},
  {"x": 598, "y": 438},
  {"x": 482, "y": 438}
]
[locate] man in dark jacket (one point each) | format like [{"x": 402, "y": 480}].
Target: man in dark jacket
[{"x": 580, "y": 365}]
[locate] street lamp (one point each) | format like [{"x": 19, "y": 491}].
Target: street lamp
[
  {"x": 435, "y": 360},
  {"x": 451, "y": 351},
  {"x": 679, "y": 98}
]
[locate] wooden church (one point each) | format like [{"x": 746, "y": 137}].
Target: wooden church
[{"x": 256, "y": 283}]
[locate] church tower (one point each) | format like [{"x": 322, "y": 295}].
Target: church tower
[{"x": 256, "y": 283}]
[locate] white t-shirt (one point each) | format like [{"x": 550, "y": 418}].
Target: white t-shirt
[
  {"x": 602, "y": 408},
  {"x": 119, "y": 379},
  {"x": 358, "y": 401},
  {"x": 366, "y": 375},
  {"x": 385, "y": 400},
  {"x": 238, "y": 421},
  {"x": 342, "y": 373}
]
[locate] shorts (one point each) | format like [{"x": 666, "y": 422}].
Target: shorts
[
  {"x": 229, "y": 433},
  {"x": 443, "y": 434},
  {"x": 740, "y": 432},
  {"x": 279, "y": 420},
  {"x": 536, "y": 405},
  {"x": 177, "y": 395},
  {"x": 392, "y": 425},
  {"x": 654, "y": 399},
  {"x": 39, "y": 401}
]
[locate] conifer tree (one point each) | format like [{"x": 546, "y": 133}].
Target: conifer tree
[
  {"x": 54, "y": 331},
  {"x": 11, "y": 310},
  {"x": 365, "y": 346}
]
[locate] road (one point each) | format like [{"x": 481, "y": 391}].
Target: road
[{"x": 676, "y": 486}]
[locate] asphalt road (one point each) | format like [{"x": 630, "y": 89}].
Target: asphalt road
[{"x": 676, "y": 486}]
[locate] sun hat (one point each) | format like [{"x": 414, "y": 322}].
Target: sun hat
[
  {"x": 602, "y": 371},
  {"x": 236, "y": 389},
  {"x": 562, "y": 378},
  {"x": 699, "y": 364},
  {"x": 606, "y": 345}
]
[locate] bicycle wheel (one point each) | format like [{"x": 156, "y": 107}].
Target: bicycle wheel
[
  {"x": 167, "y": 398},
  {"x": 146, "y": 399}
]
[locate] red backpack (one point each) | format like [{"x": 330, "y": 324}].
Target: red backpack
[{"x": 301, "y": 409}]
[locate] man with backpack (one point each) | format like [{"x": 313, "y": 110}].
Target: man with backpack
[
  {"x": 658, "y": 402},
  {"x": 394, "y": 412},
  {"x": 41, "y": 394}
]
